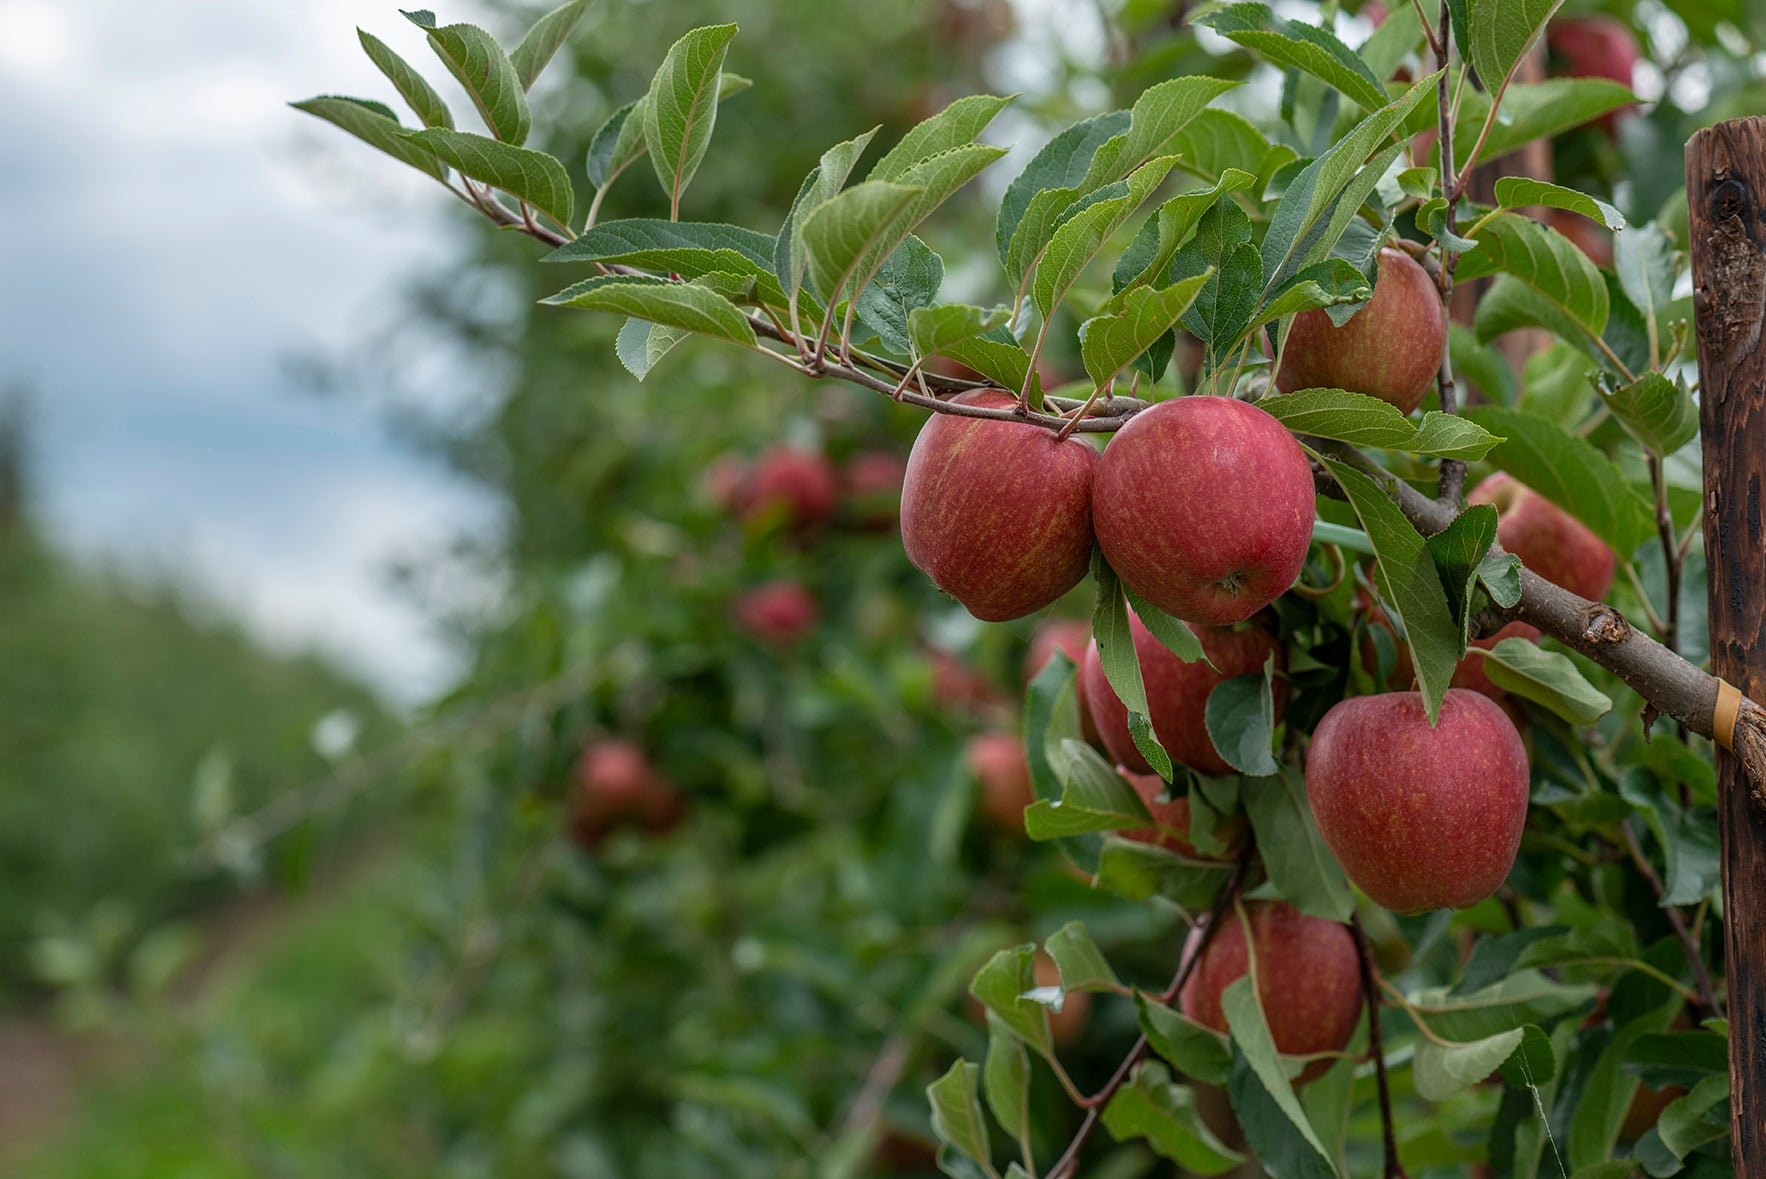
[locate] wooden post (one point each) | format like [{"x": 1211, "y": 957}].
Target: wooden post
[{"x": 1726, "y": 222}]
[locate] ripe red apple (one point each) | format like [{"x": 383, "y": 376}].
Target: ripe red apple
[
  {"x": 1547, "y": 539},
  {"x": 998, "y": 513},
  {"x": 1593, "y": 47},
  {"x": 1392, "y": 349},
  {"x": 778, "y": 613},
  {"x": 1203, "y": 506},
  {"x": 1177, "y": 692},
  {"x": 872, "y": 482},
  {"x": 1069, "y": 636},
  {"x": 798, "y": 487},
  {"x": 614, "y": 783},
  {"x": 998, "y": 763},
  {"x": 1308, "y": 979},
  {"x": 1420, "y": 818}
]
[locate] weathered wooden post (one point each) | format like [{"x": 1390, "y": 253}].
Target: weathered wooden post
[{"x": 1726, "y": 207}]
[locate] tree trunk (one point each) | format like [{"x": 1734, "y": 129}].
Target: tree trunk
[{"x": 1726, "y": 202}]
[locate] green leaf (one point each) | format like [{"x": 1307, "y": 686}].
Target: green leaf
[
  {"x": 841, "y": 231},
  {"x": 956, "y": 1112},
  {"x": 1546, "y": 678},
  {"x": 1540, "y": 110},
  {"x": 479, "y": 63},
  {"x": 823, "y": 183},
  {"x": 1567, "y": 470},
  {"x": 933, "y": 180},
  {"x": 1136, "y": 871},
  {"x": 374, "y": 124},
  {"x": 1400, "y": 35},
  {"x": 1222, "y": 244},
  {"x": 1294, "y": 45},
  {"x": 1603, "y": 942},
  {"x": 1001, "y": 984},
  {"x": 531, "y": 176},
  {"x": 1459, "y": 551},
  {"x": 1687, "y": 835},
  {"x": 933, "y": 329},
  {"x": 1081, "y": 963},
  {"x": 1517, "y": 192},
  {"x": 1333, "y": 283},
  {"x": 1264, "y": 1074},
  {"x": 605, "y": 162},
  {"x": 1240, "y": 716},
  {"x": 1216, "y": 140},
  {"x": 641, "y": 344},
  {"x": 1535, "y": 1062},
  {"x": 1151, "y": 1106},
  {"x": 1501, "y": 32},
  {"x": 1006, "y": 1077},
  {"x": 544, "y": 39},
  {"x": 1173, "y": 634},
  {"x": 955, "y": 126},
  {"x": 1408, "y": 583},
  {"x": 1361, "y": 420},
  {"x": 1061, "y": 164},
  {"x": 908, "y": 282},
  {"x": 1148, "y": 257},
  {"x": 1679, "y": 1058},
  {"x": 1094, "y": 797},
  {"x": 1487, "y": 368},
  {"x": 1524, "y": 997},
  {"x": 1548, "y": 263},
  {"x": 418, "y": 94},
  {"x": 1294, "y": 853},
  {"x": 1684, "y": 1125},
  {"x": 1078, "y": 240},
  {"x": 689, "y": 306},
  {"x": 686, "y": 248},
  {"x": 1192, "y": 1049},
  {"x": 1441, "y": 1072},
  {"x": 1501, "y": 578},
  {"x": 1161, "y": 112},
  {"x": 1108, "y": 343},
  {"x": 1051, "y": 716},
  {"x": 1607, "y": 1093},
  {"x": 1115, "y": 639},
  {"x": 1660, "y": 413},
  {"x": 680, "y": 109},
  {"x": 1648, "y": 266},
  {"x": 1006, "y": 365}
]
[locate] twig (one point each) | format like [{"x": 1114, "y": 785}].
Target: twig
[
  {"x": 1707, "y": 987},
  {"x": 1671, "y": 551},
  {"x": 1451, "y": 488},
  {"x": 1370, "y": 995}
]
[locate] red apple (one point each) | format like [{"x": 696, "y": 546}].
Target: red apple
[
  {"x": 998, "y": 763},
  {"x": 1203, "y": 506},
  {"x": 798, "y": 487},
  {"x": 1593, "y": 47},
  {"x": 725, "y": 482},
  {"x": 1169, "y": 817},
  {"x": 1392, "y": 349},
  {"x": 1308, "y": 979},
  {"x": 872, "y": 481},
  {"x": 998, "y": 513},
  {"x": 1547, "y": 539},
  {"x": 1177, "y": 692},
  {"x": 614, "y": 783},
  {"x": 778, "y": 613},
  {"x": 1420, "y": 818}
]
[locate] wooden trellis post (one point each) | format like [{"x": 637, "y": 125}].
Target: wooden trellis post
[{"x": 1726, "y": 216}]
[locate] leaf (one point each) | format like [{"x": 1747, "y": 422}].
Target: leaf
[
  {"x": 1240, "y": 716},
  {"x": 604, "y": 162},
  {"x": 1051, "y": 716},
  {"x": 479, "y": 63},
  {"x": 1501, "y": 578},
  {"x": 375, "y": 125},
  {"x": 1173, "y": 634},
  {"x": 1440, "y": 1072},
  {"x": 1115, "y": 639},
  {"x": 1148, "y": 257},
  {"x": 1540, "y": 110},
  {"x": 838, "y": 234},
  {"x": 1678, "y": 1058},
  {"x": 824, "y": 181},
  {"x": 1006, "y": 1077},
  {"x": 1459, "y": 551},
  {"x": 1361, "y": 420},
  {"x": 1567, "y": 470},
  {"x": 1108, "y": 343},
  {"x": 1658, "y": 412},
  {"x": 1487, "y": 368},
  {"x": 1006, "y": 365},
  {"x": 1408, "y": 584},
  {"x": 1294, "y": 853},
  {"x": 1216, "y": 140},
  {"x": 531, "y": 176},
  {"x": 680, "y": 109},
  {"x": 1061, "y": 164},
  {"x": 1072, "y": 247},
  {"x": 1547, "y": 678},
  {"x": 1687, "y": 835},
  {"x": 908, "y": 282},
  {"x": 1330, "y": 284},
  {"x": 1222, "y": 244},
  {"x": 641, "y": 344},
  {"x": 687, "y": 248},
  {"x": 1600, "y": 943},
  {"x": 955, "y": 126},
  {"x": 1523, "y": 997},
  {"x": 1515, "y": 192},
  {"x": 1136, "y": 871},
  {"x": 1548, "y": 263},
  {"x": 1535, "y": 1062},
  {"x": 956, "y": 1113},
  {"x": 934, "y": 180},
  {"x": 1192, "y": 1049},
  {"x": 1151, "y": 1106},
  {"x": 1607, "y": 1093},
  {"x": 933, "y": 329},
  {"x": 1501, "y": 32},
  {"x": 1647, "y": 266},
  {"x": 1494, "y": 958},
  {"x": 1159, "y": 114},
  {"x": 1081, "y": 963},
  {"x": 677, "y": 304},
  {"x": 1257, "y": 1072},
  {"x": 1094, "y": 797},
  {"x": 418, "y": 94},
  {"x": 1001, "y": 984},
  {"x": 1684, "y": 1125},
  {"x": 543, "y": 40},
  {"x": 1294, "y": 45}
]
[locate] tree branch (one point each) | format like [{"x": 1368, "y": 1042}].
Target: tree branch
[
  {"x": 1451, "y": 489},
  {"x": 1370, "y": 994}
]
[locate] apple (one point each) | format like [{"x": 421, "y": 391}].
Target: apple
[
  {"x": 614, "y": 783},
  {"x": 1593, "y": 47},
  {"x": 779, "y": 613},
  {"x": 725, "y": 483},
  {"x": 998, "y": 763},
  {"x": 1203, "y": 506},
  {"x": 1308, "y": 979},
  {"x": 795, "y": 486},
  {"x": 1169, "y": 817},
  {"x": 998, "y": 513},
  {"x": 1547, "y": 539},
  {"x": 1420, "y": 818},
  {"x": 1177, "y": 692},
  {"x": 1392, "y": 349},
  {"x": 1069, "y": 636}
]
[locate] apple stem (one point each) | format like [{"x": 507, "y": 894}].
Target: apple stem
[{"x": 1370, "y": 995}]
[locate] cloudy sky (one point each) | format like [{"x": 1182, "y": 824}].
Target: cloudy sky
[{"x": 171, "y": 232}]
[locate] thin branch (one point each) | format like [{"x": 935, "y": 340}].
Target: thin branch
[
  {"x": 1370, "y": 995},
  {"x": 1671, "y": 554},
  {"x": 1707, "y": 987},
  {"x": 1451, "y": 489}
]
